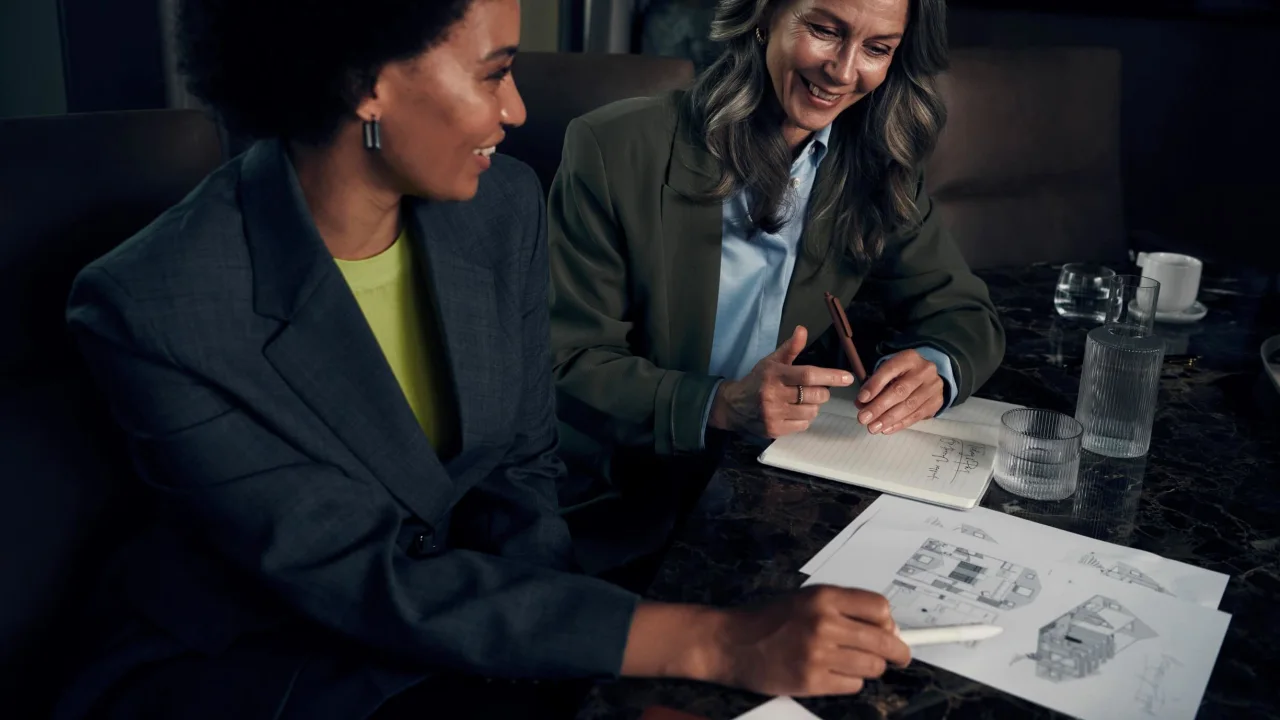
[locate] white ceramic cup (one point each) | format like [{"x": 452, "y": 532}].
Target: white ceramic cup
[{"x": 1179, "y": 278}]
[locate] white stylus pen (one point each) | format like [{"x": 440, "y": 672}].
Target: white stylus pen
[{"x": 950, "y": 634}]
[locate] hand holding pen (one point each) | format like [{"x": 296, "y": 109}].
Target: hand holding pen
[{"x": 904, "y": 390}]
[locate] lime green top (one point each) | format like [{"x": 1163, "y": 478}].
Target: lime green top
[{"x": 398, "y": 309}]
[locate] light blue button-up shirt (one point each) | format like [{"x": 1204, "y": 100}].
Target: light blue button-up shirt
[{"x": 755, "y": 271}]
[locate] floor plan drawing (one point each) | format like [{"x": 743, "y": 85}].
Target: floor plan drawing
[
  {"x": 916, "y": 605},
  {"x": 1117, "y": 570},
  {"x": 972, "y": 576},
  {"x": 1081, "y": 641},
  {"x": 944, "y": 584}
]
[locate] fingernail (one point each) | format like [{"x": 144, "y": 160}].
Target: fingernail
[
  {"x": 864, "y": 396},
  {"x": 846, "y": 379},
  {"x": 892, "y": 429},
  {"x": 865, "y": 417},
  {"x": 875, "y": 428}
]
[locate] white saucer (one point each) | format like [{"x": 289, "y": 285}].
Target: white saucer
[
  {"x": 1269, "y": 348},
  {"x": 1195, "y": 313}
]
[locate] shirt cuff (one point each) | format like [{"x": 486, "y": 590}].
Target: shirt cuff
[
  {"x": 945, "y": 371},
  {"x": 706, "y": 413}
]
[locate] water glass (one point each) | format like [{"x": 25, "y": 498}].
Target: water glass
[
  {"x": 1131, "y": 305},
  {"x": 1081, "y": 293},
  {"x": 1039, "y": 456}
]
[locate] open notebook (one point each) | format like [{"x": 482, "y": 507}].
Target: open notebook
[{"x": 946, "y": 460}]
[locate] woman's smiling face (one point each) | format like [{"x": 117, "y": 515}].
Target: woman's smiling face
[{"x": 825, "y": 55}]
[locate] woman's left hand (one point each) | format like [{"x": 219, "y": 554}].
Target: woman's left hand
[{"x": 904, "y": 390}]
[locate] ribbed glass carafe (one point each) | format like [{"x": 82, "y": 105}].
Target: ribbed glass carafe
[{"x": 1118, "y": 390}]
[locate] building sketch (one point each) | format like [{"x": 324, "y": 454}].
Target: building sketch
[
  {"x": 943, "y": 584},
  {"x": 1081, "y": 641},
  {"x": 971, "y": 575},
  {"x": 916, "y": 606},
  {"x": 1117, "y": 570},
  {"x": 1151, "y": 691},
  {"x": 962, "y": 528},
  {"x": 976, "y": 532}
]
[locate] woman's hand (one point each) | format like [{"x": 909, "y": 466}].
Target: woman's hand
[
  {"x": 903, "y": 391},
  {"x": 764, "y": 403},
  {"x": 821, "y": 640}
]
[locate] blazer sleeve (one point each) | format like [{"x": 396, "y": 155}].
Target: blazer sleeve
[
  {"x": 604, "y": 390},
  {"x": 515, "y": 512},
  {"x": 333, "y": 547},
  {"x": 931, "y": 297}
]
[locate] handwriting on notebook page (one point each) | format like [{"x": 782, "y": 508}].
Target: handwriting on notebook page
[{"x": 953, "y": 459}]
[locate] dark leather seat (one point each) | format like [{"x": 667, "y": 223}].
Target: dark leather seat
[
  {"x": 71, "y": 188},
  {"x": 558, "y": 87},
  {"x": 1028, "y": 167}
]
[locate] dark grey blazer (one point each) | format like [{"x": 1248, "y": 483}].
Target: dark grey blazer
[{"x": 312, "y": 555}]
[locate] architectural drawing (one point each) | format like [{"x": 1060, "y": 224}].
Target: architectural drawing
[
  {"x": 944, "y": 584},
  {"x": 1151, "y": 692},
  {"x": 971, "y": 575},
  {"x": 1117, "y": 570},
  {"x": 1081, "y": 641},
  {"x": 916, "y": 606},
  {"x": 961, "y": 528}
]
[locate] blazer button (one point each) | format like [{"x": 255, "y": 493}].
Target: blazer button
[{"x": 423, "y": 545}]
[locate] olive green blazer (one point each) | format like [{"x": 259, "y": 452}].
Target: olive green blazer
[{"x": 635, "y": 265}]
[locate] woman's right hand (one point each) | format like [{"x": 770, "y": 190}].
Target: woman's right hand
[
  {"x": 764, "y": 402},
  {"x": 821, "y": 640}
]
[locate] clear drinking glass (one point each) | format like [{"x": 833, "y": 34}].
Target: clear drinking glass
[
  {"x": 1081, "y": 293},
  {"x": 1120, "y": 380},
  {"x": 1131, "y": 305},
  {"x": 1039, "y": 455}
]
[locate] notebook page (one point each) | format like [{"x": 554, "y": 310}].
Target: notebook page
[
  {"x": 938, "y": 469},
  {"x": 975, "y": 420}
]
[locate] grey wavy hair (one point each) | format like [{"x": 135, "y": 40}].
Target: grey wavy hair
[{"x": 876, "y": 146}]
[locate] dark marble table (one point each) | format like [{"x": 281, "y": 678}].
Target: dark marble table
[{"x": 1207, "y": 493}]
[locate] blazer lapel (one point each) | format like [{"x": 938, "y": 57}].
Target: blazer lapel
[
  {"x": 691, "y": 239},
  {"x": 326, "y": 351},
  {"x": 466, "y": 307}
]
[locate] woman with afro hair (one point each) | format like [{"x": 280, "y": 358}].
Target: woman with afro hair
[{"x": 332, "y": 364}]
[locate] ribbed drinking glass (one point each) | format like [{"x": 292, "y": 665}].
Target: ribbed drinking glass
[
  {"x": 1039, "y": 456},
  {"x": 1121, "y": 376}
]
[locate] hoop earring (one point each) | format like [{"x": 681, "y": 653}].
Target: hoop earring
[
  {"x": 759, "y": 36},
  {"x": 372, "y": 134}
]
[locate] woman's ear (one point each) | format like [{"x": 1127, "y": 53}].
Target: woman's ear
[{"x": 370, "y": 108}]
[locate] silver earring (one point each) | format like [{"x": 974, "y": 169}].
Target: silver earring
[
  {"x": 372, "y": 134},
  {"x": 759, "y": 36}
]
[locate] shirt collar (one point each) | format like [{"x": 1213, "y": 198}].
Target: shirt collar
[{"x": 818, "y": 143}]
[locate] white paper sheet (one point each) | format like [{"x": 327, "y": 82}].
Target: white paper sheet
[
  {"x": 780, "y": 708},
  {"x": 1116, "y": 563},
  {"x": 1075, "y": 640}
]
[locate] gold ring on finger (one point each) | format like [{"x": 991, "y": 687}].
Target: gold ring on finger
[{"x": 799, "y": 394}]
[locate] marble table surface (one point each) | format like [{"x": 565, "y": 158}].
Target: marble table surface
[{"x": 1207, "y": 493}]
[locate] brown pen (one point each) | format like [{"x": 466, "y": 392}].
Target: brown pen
[{"x": 845, "y": 331}]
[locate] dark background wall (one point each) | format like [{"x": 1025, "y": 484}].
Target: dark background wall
[
  {"x": 30, "y": 59},
  {"x": 1200, "y": 145},
  {"x": 1200, "y": 119},
  {"x": 112, "y": 55}
]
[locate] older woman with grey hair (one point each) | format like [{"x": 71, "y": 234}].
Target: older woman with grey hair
[{"x": 694, "y": 236}]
